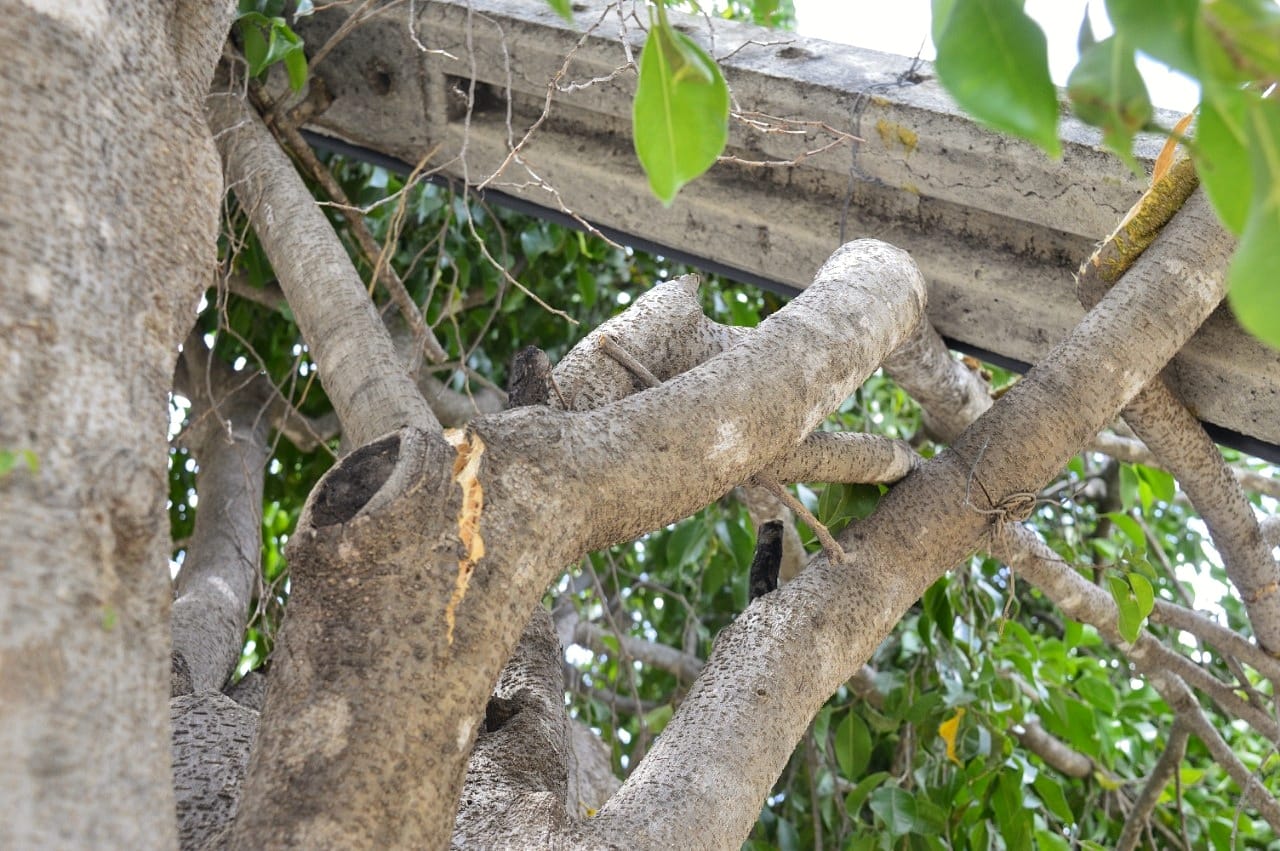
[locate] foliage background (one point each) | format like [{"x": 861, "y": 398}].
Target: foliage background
[{"x": 925, "y": 758}]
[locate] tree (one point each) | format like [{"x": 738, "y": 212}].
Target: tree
[{"x": 411, "y": 698}]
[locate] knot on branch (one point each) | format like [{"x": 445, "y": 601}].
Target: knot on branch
[{"x": 1015, "y": 508}]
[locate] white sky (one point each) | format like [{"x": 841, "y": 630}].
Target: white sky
[{"x": 902, "y": 26}]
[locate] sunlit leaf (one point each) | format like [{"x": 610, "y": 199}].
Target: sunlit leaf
[
  {"x": 1222, "y": 155},
  {"x": 994, "y": 61},
  {"x": 1254, "y": 289},
  {"x": 680, "y": 116}
]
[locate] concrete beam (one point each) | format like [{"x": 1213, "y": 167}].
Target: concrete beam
[{"x": 997, "y": 227}]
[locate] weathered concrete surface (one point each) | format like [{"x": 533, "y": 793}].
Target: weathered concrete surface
[{"x": 997, "y": 228}]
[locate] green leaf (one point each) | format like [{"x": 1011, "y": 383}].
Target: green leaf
[
  {"x": 1130, "y": 528},
  {"x": 295, "y": 64},
  {"x": 1222, "y": 148},
  {"x": 1051, "y": 793},
  {"x": 941, "y": 10},
  {"x": 563, "y": 8},
  {"x": 853, "y": 801},
  {"x": 680, "y": 117},
  {"x": 282, "y": 41},
  {"x": 1254, "y": 293},
  {"x": 1107, "y": 91},
  {"x": 656, "y": 719},
  {"x": 687, "y": 542},
  {"x": 896, "y": 808},
  {"x": 1144, "y": 595},
  {"x": 1163, "y": 30},
  {"x": 994, "y": 61},
  {"x": 1161, "y": 482},
  {"x": 255, "y": 47},
  {"x": 853, "y": 746},
  {"x": 1013, "y": 819},
  {"x": 1129, "y": 621}
]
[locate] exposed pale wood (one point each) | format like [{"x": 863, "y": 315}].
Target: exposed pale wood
[{"x": 997, "y": 227}]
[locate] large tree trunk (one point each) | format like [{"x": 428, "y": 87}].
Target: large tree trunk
[{"x": 109, "y": 190}]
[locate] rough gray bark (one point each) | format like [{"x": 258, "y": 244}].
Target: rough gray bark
[
  {"x": 228, "y": 438},
  {"x": 391, "y": 600},
  {"x": 370, "y": 388},
  {"x": 771, "y": 670},
  {"x": 212, "y": 738},
  {"x": 109, "y": 190},
  {"x": 1183, "y": 448}
]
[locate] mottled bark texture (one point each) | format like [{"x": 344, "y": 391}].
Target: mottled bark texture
[
  {"x": 399, "y": 623},
  {"x": 1182, "y": 447},
  {"x": 771, "y": 669},
  {"x": 109, "y": 191},
  {"x": 220, "y": 574}
]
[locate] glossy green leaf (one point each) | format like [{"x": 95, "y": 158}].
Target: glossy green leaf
[
  {"x": 680, "y": 116},
  {"x": 1131, "y": 529},
  {"x": 255, "y": 47},
  {"x": 295, "y": 65},
  {"x": 1163, "y": 30},
  {"x": 1252, "y": 277},
  {"x": 1163, "y": 487},
  {"x": 1129, "y": 620},
  {"x": 1143, "y": 594},
  {"x": 1107, "y": 91},
  {"x": 896, "y": 808},
  {"x": 994, "y": 61},
  {"x": 853, "y": 746}
]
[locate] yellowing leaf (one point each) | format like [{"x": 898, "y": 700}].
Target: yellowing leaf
[{"x": 947, "y": 730}]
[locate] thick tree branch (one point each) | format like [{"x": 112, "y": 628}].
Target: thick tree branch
[
  {"x": 1182, "y": 447},
  {"x": 373, "y": 253},
  {"x": 710, "y": 428},
  {"x": 518, "y": 776},
  {"x": 370, "y": 388},
  {"x": 771, "y": 669},
  {"x": 844, "y": 457},
  {"x": 220, "y": 573}
]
